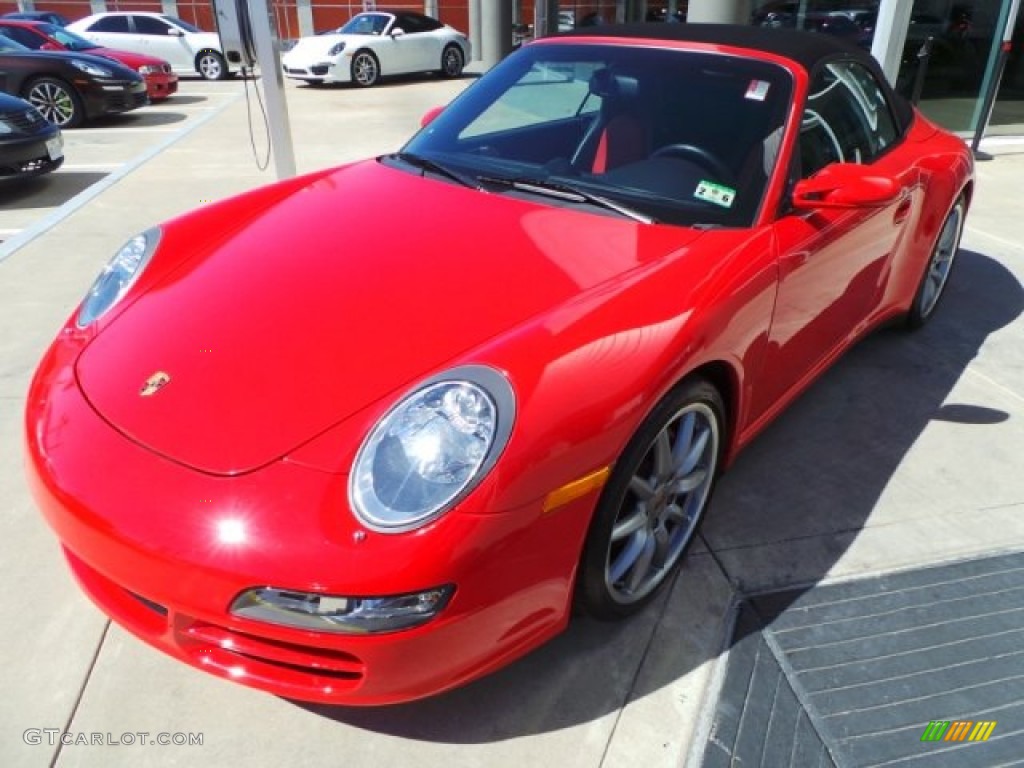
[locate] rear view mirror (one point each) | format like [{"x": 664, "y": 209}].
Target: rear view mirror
[{"x": 845, "y": 185}]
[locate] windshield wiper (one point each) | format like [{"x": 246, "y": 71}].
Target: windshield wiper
[
  {"x": 563, "y": 191},
  {"x": 426, "y": 164}
]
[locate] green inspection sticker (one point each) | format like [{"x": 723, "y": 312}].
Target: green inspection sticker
[{"x": 717, "y": 194}]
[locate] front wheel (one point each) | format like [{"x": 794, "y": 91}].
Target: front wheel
[
  {"x": 365, "y": 69},
  {"x": 211, "y": 66},
  {"x": 940, "y": 264},
  {"x": 57, "y": 101},
  {"x": 649, "y": 511},
  {"x": 451, "y": 62}
]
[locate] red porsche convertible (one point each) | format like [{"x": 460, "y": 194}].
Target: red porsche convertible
[{"x": 367, "y": 469}]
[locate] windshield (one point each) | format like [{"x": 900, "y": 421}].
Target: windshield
[
  {"x": 366, "y": 24},
  {"x": 69, "y": 40},
  {"x": 682, "y": 137},
  {"x": 179, "y": 23}
]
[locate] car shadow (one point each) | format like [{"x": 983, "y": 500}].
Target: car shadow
[
  {"x": 47, "y": 191},
  {"x": 144, "y": 119},
  {"x": 812, "y": 478},
  {"x": 179, "y": 99}
]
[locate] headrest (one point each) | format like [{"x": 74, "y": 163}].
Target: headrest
[{"x": 605, "y": 84}]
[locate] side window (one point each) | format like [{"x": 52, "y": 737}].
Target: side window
[
  {"x": 117, "y": 24},
  {"x": 23, "y": 36},
  {"x": 410, "y": 23},
  {"x": 846, "y": 119},
  {"x": 147, "y": 25}
]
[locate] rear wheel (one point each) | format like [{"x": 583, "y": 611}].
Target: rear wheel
[
  {"x": 365, "y": 69},
  {"x": 58, "y": 101},
  {"x": 211, "y": 65},
  {"x": 649, "y": 512},
  {"x": 940, "y": 265}
]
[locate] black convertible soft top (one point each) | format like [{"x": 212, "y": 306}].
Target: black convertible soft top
[{"x": 808, "y": 49}]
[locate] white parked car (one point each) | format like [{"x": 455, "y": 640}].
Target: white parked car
[
  {"x": 187, "y": 48},
  {"x": 375, "y": 44}
]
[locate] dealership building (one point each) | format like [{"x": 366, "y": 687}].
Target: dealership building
[{"x": 969, "y": 41}]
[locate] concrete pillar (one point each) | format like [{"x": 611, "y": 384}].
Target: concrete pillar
[
  {"x": 496, "y": 31},
  {"x": 891, "y": 34},
  {"x": 475, "y": 30},
  {"x": 430, "y": 8},
  {"x": 719, "y": 11},
  {"x": 304, "y": 11}
]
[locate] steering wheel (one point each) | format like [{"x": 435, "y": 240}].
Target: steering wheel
[{"x": 697, "y": 155}]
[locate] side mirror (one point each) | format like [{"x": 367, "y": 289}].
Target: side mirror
[
  {"x": 397, "y": 32},
  {"x": 844, "y": 185},
  {"x": 429, "y": 116},
  {"x": 175, "y": 32}
]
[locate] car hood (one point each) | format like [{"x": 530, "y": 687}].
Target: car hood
[
  {"x": 120, "y": 71},
  {"x": 129, "y": 59},
  {"x": 347, "y": 291}
]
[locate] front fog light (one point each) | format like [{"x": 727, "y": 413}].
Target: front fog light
[{"x": 333, "y": 613}]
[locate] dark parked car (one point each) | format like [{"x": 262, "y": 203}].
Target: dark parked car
[
  {"x": 47, "y": 16},
  {"x": 69, "y": 88},
  {"x": 29, "y": 144}
]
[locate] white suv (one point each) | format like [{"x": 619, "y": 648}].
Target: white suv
[{"x": 187, "y": 48}]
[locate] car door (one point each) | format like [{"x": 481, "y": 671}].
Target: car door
[
  {"x": 416, "y": 50},
  {"x": 833, "y": 262},
  {"x": 165, "y": 41}
]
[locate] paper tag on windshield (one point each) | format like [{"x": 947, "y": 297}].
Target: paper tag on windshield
[
  {"x": 717, "y": 194},
  {"x": 757, "y": 90}
]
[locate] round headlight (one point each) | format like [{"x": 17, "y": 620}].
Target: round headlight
[
  {"x": 336, "y": 49},
  {"x": 431, "y": 449},
  {"x": 117, "y": 277}
]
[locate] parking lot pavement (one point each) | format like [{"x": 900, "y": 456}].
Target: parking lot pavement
[
  {"x": 906, "y": 454},
  {"x": 99, "y": 153}
]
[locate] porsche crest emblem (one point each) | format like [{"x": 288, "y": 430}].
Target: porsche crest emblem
[{"x": 154, "y": 384}]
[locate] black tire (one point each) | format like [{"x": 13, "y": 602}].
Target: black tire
[
  {"x": 452, "y": 62},
  {"x": 653, "y": 501},
  {"x": 932, "y": 285},
  {"x": 58, "y": 101},
  {"x": 211, "y": 65},
  {"x": 365, "y": 69}
]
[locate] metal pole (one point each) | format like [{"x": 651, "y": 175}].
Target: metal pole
[
  {"x": 924, "y": 56},
  {"x": 269, "y": 58},
  {"x": 992, "y": 89},
  {"x": 430, "y": 8}
]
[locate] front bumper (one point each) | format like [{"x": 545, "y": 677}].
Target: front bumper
[
  {"x": 326, "y": 70},
  {"x": 31, "y": 155},
  {"x": 108, "y": 97},
  {"x": 161, "y": 85},
  {"x": 144, "y": 545}
]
